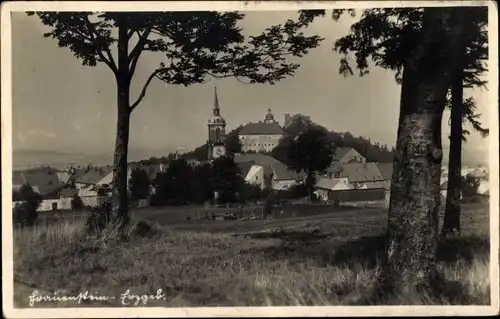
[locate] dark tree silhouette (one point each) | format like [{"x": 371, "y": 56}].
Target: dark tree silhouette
[
  {"x": 139, "y": 184},
  {"x": 232, "y": 142},
  {"x": 311, "y": 152},
  {"x": 25, "y": 213},
  {"x": 174, "y": 185},
  {"x": 202, "y": 183},
  {"x": 226, "y": 179},
  {"x": 196, "y": 46}
]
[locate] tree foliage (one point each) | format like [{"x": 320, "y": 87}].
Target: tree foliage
[
  {"x": 232, "y": 142},
  {"x": 226, "y": 179},
  {"x": 139, "y": 184},
  {"x": 311, "y": 152},
  {"x": 174, "y": 185},
  {"x": 470, "y": 185},
  {"x": 25, "y": 213}
]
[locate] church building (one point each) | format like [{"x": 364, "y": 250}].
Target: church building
[
  {"x": 216, "y": 132},
  {"x": 263, "y": 136}
]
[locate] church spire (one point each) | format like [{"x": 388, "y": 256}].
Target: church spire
[{"x": 216, "y": 103}]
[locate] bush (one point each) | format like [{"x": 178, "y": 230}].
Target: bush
[
  {"x": 76, "y": 203},
  {"x": 23, "y": 215}
]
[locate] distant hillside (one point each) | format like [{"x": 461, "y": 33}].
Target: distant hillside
[{"x": 24, "y": 159}]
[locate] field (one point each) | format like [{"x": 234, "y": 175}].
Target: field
[{"x": 319, "y": 256}]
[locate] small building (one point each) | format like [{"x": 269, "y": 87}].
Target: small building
[
  {"x": 325, "y": 186},
  {"x": 360, "y": 175},
  {"x": 263, "y": 169}
]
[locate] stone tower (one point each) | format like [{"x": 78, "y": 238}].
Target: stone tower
[{"x": 216, "y": 132}]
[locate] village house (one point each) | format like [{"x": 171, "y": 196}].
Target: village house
[
  {"x": 345, "y": 155},
  {"x": 325, "y": 186},
  {"x": 262, "y": 136},
  {"x": 360, "y": 175},
  {"x": 260, "y": 169}
]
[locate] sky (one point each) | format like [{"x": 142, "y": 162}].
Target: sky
[{"x": 60, "y": 105}]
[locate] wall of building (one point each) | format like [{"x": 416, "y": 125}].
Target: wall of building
[
  {"x": 93, "y": 200},
  {"x": 258, "y": 143},
  {"x": 279, "y": 185},
  {"x": 255, "y": 176},
  {"x": 46, "y": 204}
]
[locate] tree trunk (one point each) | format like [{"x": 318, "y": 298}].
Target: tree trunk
[
  {"x": 451, "y": 224},
  {"x": 310, "y": 185},
  {"x": 410, "y": 263},
  {"x": 119, "y": 202}
]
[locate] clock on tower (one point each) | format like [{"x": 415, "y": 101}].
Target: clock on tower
[{"x": 216, "y": 132}]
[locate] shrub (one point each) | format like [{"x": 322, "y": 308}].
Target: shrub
[
  {"x": 25, "y": 213},
  {"x": 76, "y": 203}
]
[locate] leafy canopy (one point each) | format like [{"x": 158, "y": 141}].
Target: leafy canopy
[
  {"x": 196, "y": 45},
  {"x": 311, "y": 151},
  {"x": 388, "y": 36}
]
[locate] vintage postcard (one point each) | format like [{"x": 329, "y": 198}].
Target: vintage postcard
[{"x": 249, "y": 158}]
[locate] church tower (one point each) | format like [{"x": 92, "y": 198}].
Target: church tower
[
  {"x": 216, "y": 132},
  {"x": 269, "y": 117}
]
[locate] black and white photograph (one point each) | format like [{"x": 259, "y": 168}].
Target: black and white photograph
[{"x": 249, "y": 158}]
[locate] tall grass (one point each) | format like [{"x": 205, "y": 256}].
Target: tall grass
[{"x": 210, "y": 269}]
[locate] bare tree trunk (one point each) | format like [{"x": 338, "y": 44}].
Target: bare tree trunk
[
  {"x": 119, "y": 200},
  {"x": 451, "y": 224},
  {"x": 410, "y": 263}
]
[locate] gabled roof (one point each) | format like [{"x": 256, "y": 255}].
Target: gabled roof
[
  {"x": 270, "y": 165},
  {"x": 327, "y": 183},
  {"x": 257, "y": 158},
  {"x": 357, "y": 172},
  {"x": 281, "y": 172},
  {"x": 64, "y": 177},
  {"x": 43, "y": 181},
  {"x": 261, "y": 129},
  {"x": 94, "y": 175},
  {"x": 386, "y": 170},
  {"x": 244, "y": 167},
  {"x": 340, "y": 152}
]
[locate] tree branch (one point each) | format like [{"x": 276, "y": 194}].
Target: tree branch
[
  {"x": 93, "y": 34},
  {"x": 144, "y": 88},
  {"x": 137, "y": 50}
]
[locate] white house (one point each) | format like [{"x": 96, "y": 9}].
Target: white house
[{"x": 325, "y": 185}]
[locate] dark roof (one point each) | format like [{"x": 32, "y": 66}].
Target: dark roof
[
  {"x": 270, "y": 165},
  {"x": 340, "y": 152},
  {"x": 42, "y": 180},
  {"x": 281, "y": 172},
  {"x": 326, "y": 183},
  {"x": 245, "y": 167},
  {"x": 94, "y": 175},
  {"x": 257, "y": 158},
  {"x": 261, "y": 129},
  {"x": 68, "y": 192},
  {"x": 357, "y": 172},
  {"x": 386, "y": 170}
]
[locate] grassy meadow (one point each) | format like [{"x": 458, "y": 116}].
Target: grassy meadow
[{"x": 329, "y": 257}]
